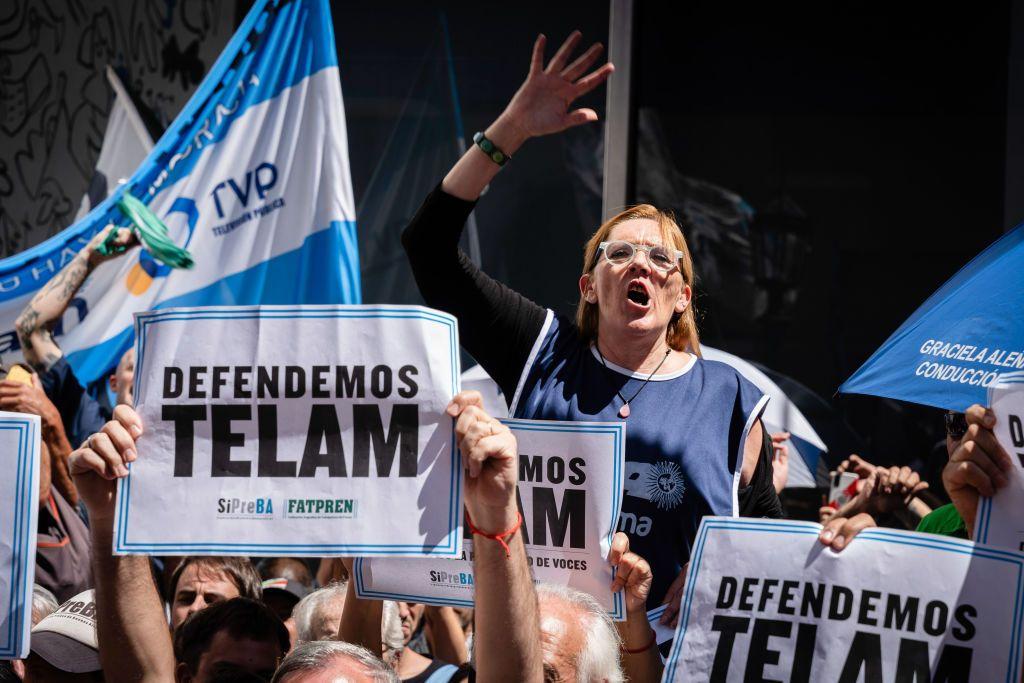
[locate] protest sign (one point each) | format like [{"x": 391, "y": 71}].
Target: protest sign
[
  {"x": 570, "y": 492},
  {"x": 892, "y": 606},
  {"x": 999, "y": 520},
  {"x": 294, "y": 430},
  {"x": 19, "y": 510}
]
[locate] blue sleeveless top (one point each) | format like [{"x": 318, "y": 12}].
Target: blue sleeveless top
[{"x": 684, "y": 437}]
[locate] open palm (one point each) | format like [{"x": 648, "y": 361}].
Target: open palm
[{"x": 542, "y": 104}]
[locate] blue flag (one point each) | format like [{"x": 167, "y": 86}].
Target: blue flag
[
  {"x": 252, "y": 178},
  {"x": 960, "y": 340}
]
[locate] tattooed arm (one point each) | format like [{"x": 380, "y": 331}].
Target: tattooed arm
[{"x": 35, "y": 323}]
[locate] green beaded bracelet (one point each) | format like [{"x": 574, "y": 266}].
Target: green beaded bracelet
[{"x": 490, "y": 149}]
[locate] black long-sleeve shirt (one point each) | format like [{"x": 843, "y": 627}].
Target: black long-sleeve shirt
[{"x": 499, "y": 326}]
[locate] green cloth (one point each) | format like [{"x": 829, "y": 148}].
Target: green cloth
[
  {"x": 151, "y": 231},
  {"x": 944, "y": 521}
]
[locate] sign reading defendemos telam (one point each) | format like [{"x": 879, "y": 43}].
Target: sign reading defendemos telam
[
  {"x": 569, "y": 494},
  {"x": 294, "y": 430},
  {"x": 19, "y": 510},
  {"x": 892, "y": 606}
]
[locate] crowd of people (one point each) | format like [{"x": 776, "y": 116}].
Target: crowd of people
[{"x": 632, "y": 353}]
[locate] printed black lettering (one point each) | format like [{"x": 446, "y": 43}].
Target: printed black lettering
[
  {"x": 867, "y": 607},
  {"x": 803, "y": 653},
  {"x": 242, "y": 381},
  {"x": 726, "y": 592},
  {"x": 530, "y": 468},
  {"x": 901, "y": 615},
  {"x": 1016, "y": 431},
  {"x": 323, "y": 427},
  {"x": 403, "y": 436},
  {"x": 912, "y": 662},
  {"x": 571, "y": 517},
  {"x": 350, "y": 384},
  {"x": 221, "y": 417},
  {"x": 786, "y": 596},
  {"x": 814, "y": 601},
  {"x": 747, "y": 594},
  {"x": 219, "y": 379},
  {"x": 936, "y": 616},
  {"x": 766, "y": 593},
  {"x": 963, "y": 615},
  {"x": 380, "y": 381},
  {"x": 405, "y": 376},
  {"x": 865, "y": 653},
  {"x": 268, "y": 464},
  {"x": 577, "y": 476},
  {"x": 184, "y": 418},
  {"x": 174, "y": 381},
  {"x": 319, "y": 388},
  {"x": 954, "y": 664},
  {"x": 728, "y": 627},
  {"x": 841, "y": 604},
  {"x": 195, "y": 382},
  {"x": 759, "y": 654},
  {"x": 267, "y": 382},
  {"x": 556, "y": 470},
  {"x": 294, "y": 381}
]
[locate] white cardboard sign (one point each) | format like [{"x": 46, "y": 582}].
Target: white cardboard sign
[
  {"x": 570, "y": 493},
  {"x": 765, "y": 600},
  {"x": 294, "y": 430},
  {"x": 19, "y": 511},
  {"x": 1000, "y": 519}
]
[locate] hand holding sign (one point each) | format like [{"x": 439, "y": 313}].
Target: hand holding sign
[
  {"x": 490, "y": 457},
  {"x": 633, "y": 574},
  {"x": 978, "y": 465},
  {"x": 102, "y": 460}
]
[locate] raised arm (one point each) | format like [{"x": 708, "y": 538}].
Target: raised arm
[
  {"x": 541, "y": 106},
  {"x": 135, "y": 643},
  {"x": 641, "y": 661},
  {"x": 507, "y": 632},
  {"x": 35, "y": 324},
  {"x": 30, "y": 398}
]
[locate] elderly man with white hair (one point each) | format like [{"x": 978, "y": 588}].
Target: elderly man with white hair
[
  {"x": 331, "y": 660},
  {"x": 318, "y": 615}
]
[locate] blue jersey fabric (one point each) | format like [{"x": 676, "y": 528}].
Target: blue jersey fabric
[
  {"x": 684, "y": 437},
  {"x": 81, "y": 414}
]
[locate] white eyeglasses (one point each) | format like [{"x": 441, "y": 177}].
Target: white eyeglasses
[{"x": 620, "y": 252}]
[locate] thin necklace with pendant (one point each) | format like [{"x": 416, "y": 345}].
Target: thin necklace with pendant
[{"x": 624, "y": 410}]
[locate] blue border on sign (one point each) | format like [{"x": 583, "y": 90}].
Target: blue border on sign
[
  {"x": 22, "y": 560},
  {"x": 984, "y": 516},
  {"x": 618, "y": 432},
  {"x": 446, "y": 549},
  {"x": 920, "y": 540}
]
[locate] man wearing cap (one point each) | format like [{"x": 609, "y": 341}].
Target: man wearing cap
[{"x": 64, "y": 645}]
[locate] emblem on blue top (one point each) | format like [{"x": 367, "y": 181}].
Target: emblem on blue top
[{"x": 664, "y": 484}]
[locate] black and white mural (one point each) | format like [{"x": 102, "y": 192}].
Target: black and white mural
[{"x": 54, "y": 96}]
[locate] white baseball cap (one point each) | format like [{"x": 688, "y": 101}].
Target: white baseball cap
[{"x": 67, "y": 638}]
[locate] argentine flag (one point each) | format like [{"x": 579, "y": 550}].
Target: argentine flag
[{"x": 252, "y": 178}]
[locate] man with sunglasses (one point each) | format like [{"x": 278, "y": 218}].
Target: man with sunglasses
[{"x": 978, "y": 466}]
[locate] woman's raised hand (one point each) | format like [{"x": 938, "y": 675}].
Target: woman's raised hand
[{"x": 542, "y": 104}]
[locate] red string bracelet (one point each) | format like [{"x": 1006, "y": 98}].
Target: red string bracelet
[
  {"x": 499, "y": 537},
  {"x": 645, "y": 648}
]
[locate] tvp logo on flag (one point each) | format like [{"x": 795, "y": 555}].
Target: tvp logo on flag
[{"x": 252, "y": 179}]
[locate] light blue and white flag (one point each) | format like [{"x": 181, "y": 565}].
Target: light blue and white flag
[{"x": 252, "y": 178}]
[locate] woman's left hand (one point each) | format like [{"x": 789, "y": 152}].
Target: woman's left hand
[
  {"x": 633, "y": 573},
  {"x": 541, "y": 105}
]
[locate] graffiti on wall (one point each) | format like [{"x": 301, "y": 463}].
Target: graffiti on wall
[{"x": 54, "y": 96}]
